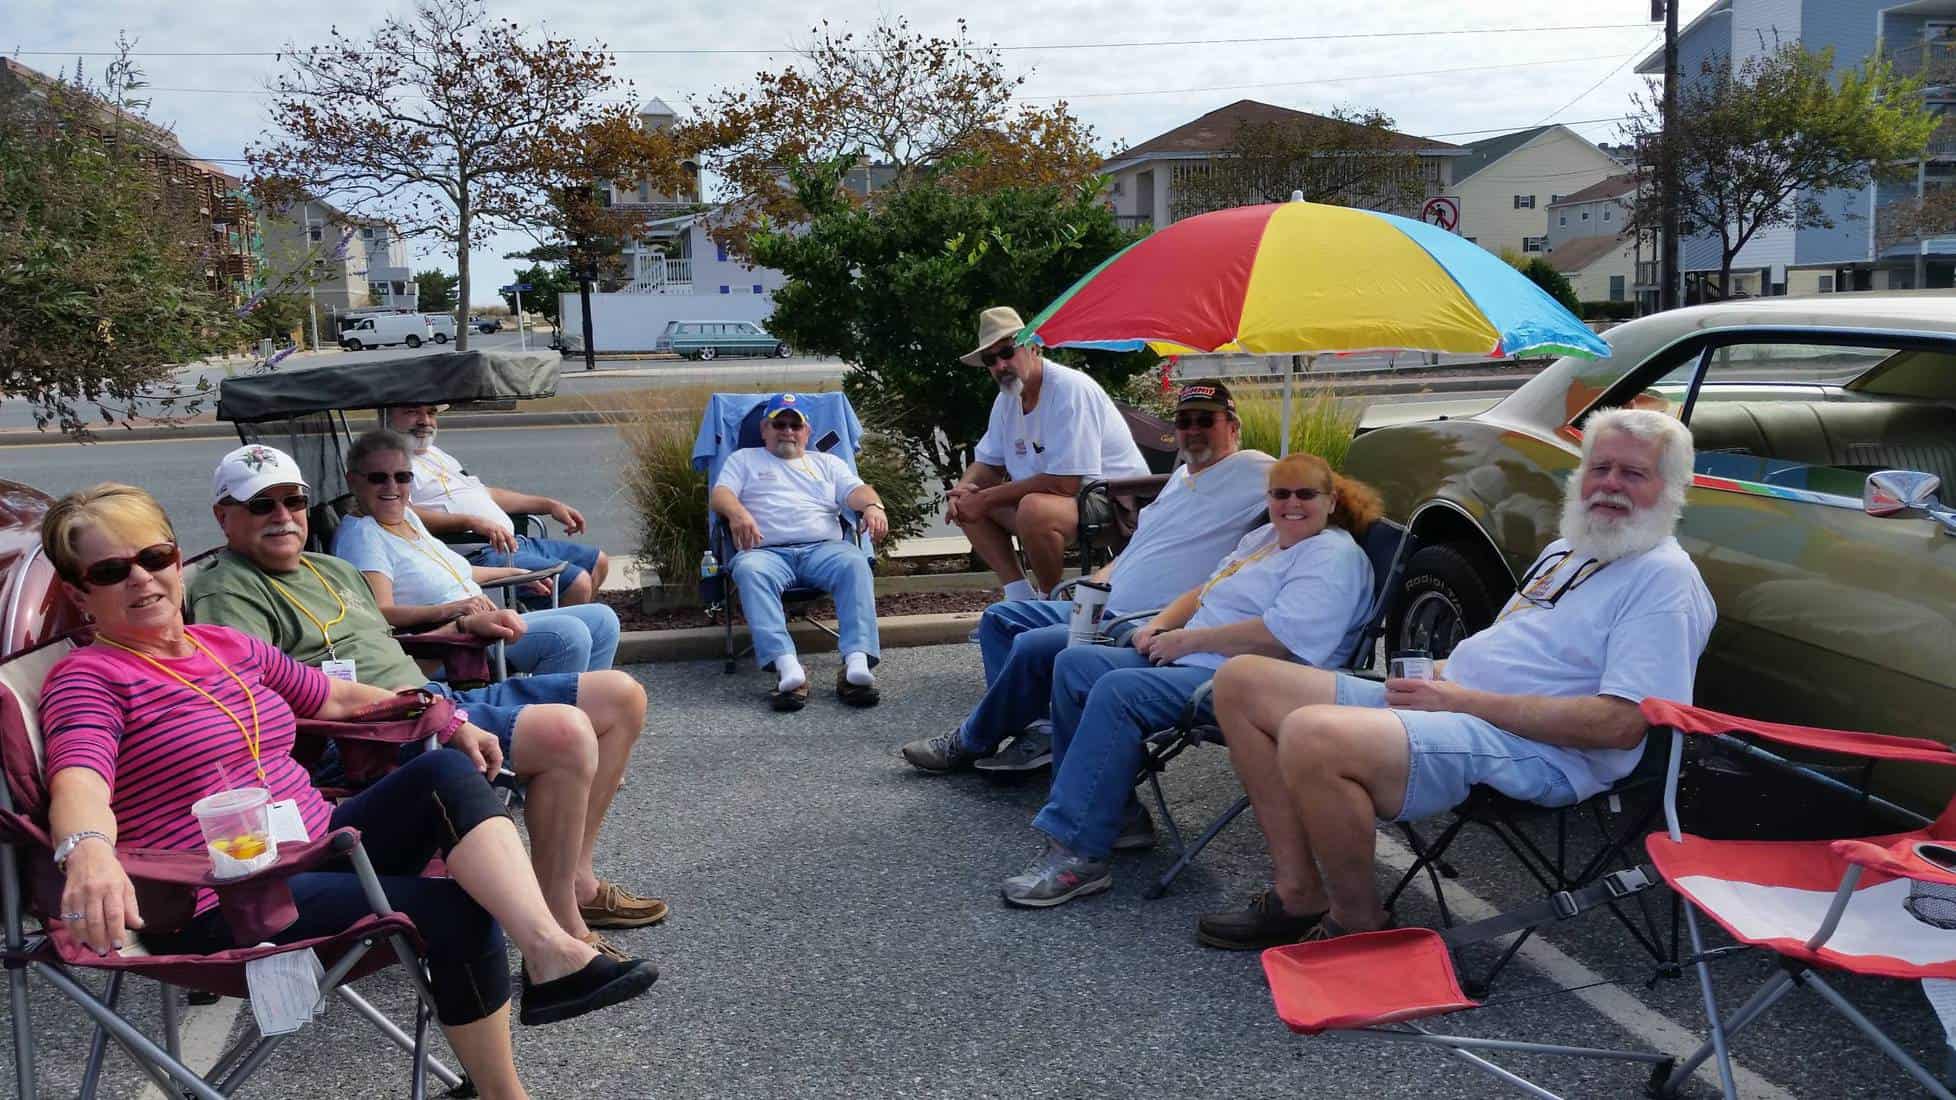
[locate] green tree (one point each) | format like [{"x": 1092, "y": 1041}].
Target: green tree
[
  {"x": 1543, "y": 274},
  {"x": 895, "y": 288},
  {"x": 435, "y": 290},
  {"x": 278, "y": 315},
  {"x": 547, "y": 285},
  {"x": 104, "y": 290},
  {"x": 1759, "y": 144},
  {"x": 1346, "y": 158}
]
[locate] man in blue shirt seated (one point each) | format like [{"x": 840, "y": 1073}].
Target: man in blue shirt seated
[{"x": 1209, "y": 503}]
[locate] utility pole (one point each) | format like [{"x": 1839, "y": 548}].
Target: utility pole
[{"x": 1670, "y": 295}]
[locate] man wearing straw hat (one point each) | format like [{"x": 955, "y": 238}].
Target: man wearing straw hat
[{"x": 1051, "y": 428}]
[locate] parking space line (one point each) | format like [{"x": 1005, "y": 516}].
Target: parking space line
[
  {"x": 1656, "y": 1030},
  {"x": 204, "y": 1029}
]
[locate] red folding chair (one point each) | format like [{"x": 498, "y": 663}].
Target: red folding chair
[{"x": 257, "y": 906}]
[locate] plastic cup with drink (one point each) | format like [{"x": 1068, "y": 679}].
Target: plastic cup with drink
[
  {"x": 1089, "y": 597},
  {"x": 237, "y": 831},
  {"x": 1411, "y": 664}
]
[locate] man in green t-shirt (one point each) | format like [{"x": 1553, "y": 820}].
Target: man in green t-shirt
[{"x": 569, "y": 736}]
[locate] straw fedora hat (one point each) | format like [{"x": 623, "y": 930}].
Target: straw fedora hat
[{"x": 994, "y": 324}]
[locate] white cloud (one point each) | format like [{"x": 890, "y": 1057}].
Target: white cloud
[{"x": 218, "y": 124}]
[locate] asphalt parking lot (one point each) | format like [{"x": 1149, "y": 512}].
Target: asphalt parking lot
[{"x": 836, "y": 932}]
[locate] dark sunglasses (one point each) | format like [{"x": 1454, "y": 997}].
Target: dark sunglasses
[
  {"x": 992, "y": 355},
  {"x": 785, "y": 424},
  {"x": 153, "y": 559},
  {"x": 382, "y": 477},
  {"x": 1186, "y": 421},
  {"x": 262, "y": 506},
  {"x": 1301, "y": 494}
]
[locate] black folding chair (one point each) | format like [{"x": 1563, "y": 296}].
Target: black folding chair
[
  {"x": 1387, "y": 545},
  {"x": 1109, "y": 513}
]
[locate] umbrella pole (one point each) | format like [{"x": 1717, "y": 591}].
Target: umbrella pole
[{"x": 1283, "y": 437}]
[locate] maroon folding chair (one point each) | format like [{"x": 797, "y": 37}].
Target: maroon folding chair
[{"x": 257, "y": 907}]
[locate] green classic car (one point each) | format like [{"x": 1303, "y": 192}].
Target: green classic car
[
  {"x": 712, "y": 339},
  {"x": 1837, "y": 606}
]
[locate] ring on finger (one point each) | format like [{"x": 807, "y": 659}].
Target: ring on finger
[{"x": 74, "y": 916}]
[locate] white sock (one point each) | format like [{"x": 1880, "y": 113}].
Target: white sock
[
  {"x": 1020, "y": 589},
  {"x": 792, "y": 676},
  {"x": 855, "y": 668}
]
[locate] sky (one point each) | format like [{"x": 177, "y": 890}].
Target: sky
[{"x": 1191, "y": 59}]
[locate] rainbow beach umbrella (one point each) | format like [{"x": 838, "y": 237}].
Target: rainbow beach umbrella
[{"x": 1305, "y": 279}]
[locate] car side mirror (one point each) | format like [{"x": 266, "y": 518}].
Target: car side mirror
[{"x": 1906, "y": 492}]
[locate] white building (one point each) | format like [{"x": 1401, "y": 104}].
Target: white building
[{"x": 1506, "y": 184}]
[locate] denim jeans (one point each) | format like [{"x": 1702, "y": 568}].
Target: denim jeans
[
  {"x": 580, "y": 638},
  {"x": 1019, "y": 640},
  {"x": 839, "y": 568},
  {"x": 1106, "y": 701},
  {"x": 531, "y": 553}
]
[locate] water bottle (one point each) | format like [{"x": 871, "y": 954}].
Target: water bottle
[{"x": 712, "y": 586}]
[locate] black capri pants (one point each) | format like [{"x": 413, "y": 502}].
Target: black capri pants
[{"x": 419, "y": 810}]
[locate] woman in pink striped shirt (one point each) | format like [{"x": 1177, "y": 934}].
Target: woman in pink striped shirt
[{"x": 155, "y": 715}]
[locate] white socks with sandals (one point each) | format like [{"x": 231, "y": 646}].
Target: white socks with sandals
[
  {"x": 792, "y": 676},
  {"x": 855, "y": 669}
]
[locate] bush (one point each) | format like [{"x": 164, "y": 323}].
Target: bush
[
  {"x": 1543, "y": 274},
  {"x": 1151, "y": 391},
  {"x": 897, "y": 474},
  {"x": 1608, "y": 311},
  {"x": 1319, "y": 423}
]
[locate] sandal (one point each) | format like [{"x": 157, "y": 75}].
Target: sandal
[
  {"x": 856, "y": 695},
  {"x": 788, "y": 701}
]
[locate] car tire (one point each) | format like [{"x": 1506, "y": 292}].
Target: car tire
[
  {"x": 441, "y": 338},
  {"x": 414, "y": 341},
  {"x": 351, "y": 345},
  {"x": 1446, "y": 595},
  {"x": 708, "y": 352},
  {"x": 781, "y": 351}
]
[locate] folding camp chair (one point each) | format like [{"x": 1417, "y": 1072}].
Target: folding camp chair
[
  {"x": 1387, "y": 545},
  {"x": 733, "y": 422},
  {"x": 1109, "y": 513},
  {"x": 1879, "y": 906},
  {"x": 257, "y": 906}
]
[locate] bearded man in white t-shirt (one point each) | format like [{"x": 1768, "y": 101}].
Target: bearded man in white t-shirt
[
  {"x": 781, "y": 503},
  {"x": 1051, "y": 428},
  {"x": 1541, "y": 706}
]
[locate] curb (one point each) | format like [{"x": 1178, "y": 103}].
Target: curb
[{"x": 701, "y": 643}]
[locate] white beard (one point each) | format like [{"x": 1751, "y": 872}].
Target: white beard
[
  {"x": 1012, "y": 386},
  {"x": 786, "y": 450},
  {"x": 421, "y": 443},
  {"x": 1594, "y": 535}
]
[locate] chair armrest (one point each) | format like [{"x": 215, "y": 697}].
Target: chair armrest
[
  {"x": 531, "y": 577},
  {"x": 1149, "y": 483},
  {"x": 181, "y": 868},
  {"x": 1876, "y": 746},
  {"x": 1898, "y": 859},
  {"x": 1192, "y": 710},
  {"x": 436, "y": 645},
  {"x": 1108, "y": 627}
]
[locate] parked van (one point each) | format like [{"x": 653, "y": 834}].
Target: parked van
[
  {"x": 382, "y": 329},
  {"x": 442, "y": 325}
]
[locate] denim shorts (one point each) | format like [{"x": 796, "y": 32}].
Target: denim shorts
[
  {"x": 1450, "y": 753},
  {"x": 495, "y": 707}
]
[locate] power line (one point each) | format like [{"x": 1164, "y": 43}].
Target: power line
[
  {"x": 1053, "y": 46},
  {"x": 1641, "y": 50}
]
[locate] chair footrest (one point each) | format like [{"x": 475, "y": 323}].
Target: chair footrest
[{"x": 1333, "y": 985}]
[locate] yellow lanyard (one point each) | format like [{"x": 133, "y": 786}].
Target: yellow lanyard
[
  {"x": 252, "y": 735},
  {"x": 325, "y": 629},
  {"x": 1229, "y": 570},
  {"x": 440, "y": 476},
  {"x": 415, "y": 545}
]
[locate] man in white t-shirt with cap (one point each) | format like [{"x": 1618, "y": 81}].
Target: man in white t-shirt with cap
[{"x": 1052, "y": 427}]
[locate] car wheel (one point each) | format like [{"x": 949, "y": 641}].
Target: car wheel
[
  {"x": 1446, "y": 595},
  {"x": 441, "y": 338},
  {"x": 351, "y": 345},
  {"x": 414, "y": 341},
  {"x": 709, "y": 352},
  {"x": 780, "y": 351}
]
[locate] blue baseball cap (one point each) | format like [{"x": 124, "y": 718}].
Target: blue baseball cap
[{"x": 784, "y": 402}]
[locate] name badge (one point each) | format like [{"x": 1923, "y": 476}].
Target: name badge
[
  {"x": 287, "y": 824},
  {"x": 337, "y": 670}
]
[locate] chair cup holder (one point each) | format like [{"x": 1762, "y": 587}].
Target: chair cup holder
[{"x": 1933, "y": 903}]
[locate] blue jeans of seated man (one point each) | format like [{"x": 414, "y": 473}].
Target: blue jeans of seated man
[
  {"x": 1106, "y": 701},
  {"x": 579, "y": 638},
  {"x": 532, "y": 553},
  {"x": 1019, "y": 640},
  {"x": 836, "y": 567}
]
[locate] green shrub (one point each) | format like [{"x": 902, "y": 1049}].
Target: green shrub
[
  {"x": 1608, "y": 311},
  {"x": 1319, "y": 423},
  {"x": 667, "y": 494},
  {"x": 897, "y": 474}
]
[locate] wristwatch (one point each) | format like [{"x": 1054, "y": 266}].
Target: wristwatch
[{"x": 67, "y": 846}]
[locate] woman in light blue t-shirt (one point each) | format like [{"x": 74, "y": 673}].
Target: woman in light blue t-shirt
[{"x": 419, "y": 582}]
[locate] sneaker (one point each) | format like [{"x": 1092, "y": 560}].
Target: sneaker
[
  {"x": 1056, "y": 877},
  {"x": 1137, "y": 832},
  {"x": 1264, "y": 924},
  {"x": 1028, "y": 752},
  {"x": 942, "y": 753}
]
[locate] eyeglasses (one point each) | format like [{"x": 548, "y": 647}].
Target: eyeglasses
[
  {"x": 785, "y": 424},
  {"x": 262, "y": 506},
  {"x": 1185, "y": 421},
  {"x": 1542, "y": 576},
  {"x": 996, "y": 352},
  {"x": 1306, "y": 495},
  {"x": 153, "y": 559},
  {"x": 381, "y": 477}
]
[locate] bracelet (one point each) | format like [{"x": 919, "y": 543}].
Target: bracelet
[
  {"x": 877, "y": 505},
  {"x": 68, "y": 843},
  {"x": 455, "y": 724}
]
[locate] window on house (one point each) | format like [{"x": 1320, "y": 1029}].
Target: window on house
[
  {"x": 757, "y": 288},
  {"x": 315, "y": 232},
  {"x": 1606, "y": 213},
  {"x": 366, "y": 232},
  {"x": 1524, "y": 202},
  {"x": 720, "y": 252},
  {"x": 1562, "y": 219},
  {"x": 1534, "y": 244},
  {"x": 1826, "y": 284},
  {"x": 725, "y": 289},
  {"x": 1616, "y": 288},
  {"x": 645, "y": 191},
  {"x": 1585, "y": 215}
]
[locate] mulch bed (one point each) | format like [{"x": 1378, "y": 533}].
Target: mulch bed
[{"x": 632, "y": 616}]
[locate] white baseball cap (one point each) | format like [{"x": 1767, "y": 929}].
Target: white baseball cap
[{"x": 250, "y": 470}]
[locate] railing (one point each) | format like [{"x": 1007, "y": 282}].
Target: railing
[
  {"x": 1935, "y": 61},
  {"x": 660, "y": 208},
  {"x": 654, "y": 274},
  {"x": 1943, "y": 141},
  {"x": 1135, "y": 221}
]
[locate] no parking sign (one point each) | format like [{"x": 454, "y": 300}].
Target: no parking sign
[{"x": 1443, "y": 212}]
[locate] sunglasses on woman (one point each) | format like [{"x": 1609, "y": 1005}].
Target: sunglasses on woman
[
  {"x": 382, "y": 477},
  {"x": 262, "y": 506},
  {"x": 110, "y": 571},
  {"x": 1301, "y": 494},
  {"x": 992, "y": 355}
]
